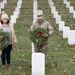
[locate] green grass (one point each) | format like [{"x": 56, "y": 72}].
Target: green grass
[{"x": 59, "y": 52}]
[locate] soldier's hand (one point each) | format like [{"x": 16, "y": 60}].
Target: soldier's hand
[
  {"x": 45, "y": 35},
  {"x": 32, "y": 31}
]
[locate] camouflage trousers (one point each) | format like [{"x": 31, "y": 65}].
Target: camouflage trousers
[{"x": 42, "y": 48}]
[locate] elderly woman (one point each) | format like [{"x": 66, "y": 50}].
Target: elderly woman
[{"x": 6, "y": 26}]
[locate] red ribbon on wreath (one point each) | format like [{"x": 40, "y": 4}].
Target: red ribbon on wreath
[{"x": 39, "y": 34}]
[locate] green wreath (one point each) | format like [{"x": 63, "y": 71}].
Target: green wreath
[
  {"x": 4, "y": 39},
  {"x": 37, "y": 37}
]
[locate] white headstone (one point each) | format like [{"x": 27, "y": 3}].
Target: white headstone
[
  {"x": 17, "y": 9},
  {"x": 38, "y": 64},
  {"x": 19, "y": 4},
  {"x": 0, "y": 10},
  {"x": 61, "y": 25},
  {"x": 53, "y": 9},
  {"x": 2, "y": 5},
  {"x": 73, "y": 14},
  {"x": 58, "y": 18},
  {"x": 67, "y": 4},
  {"x": 35, "y": 9},
  {"x": 20, "y": 1},
  {"x": 35, "y": 12},
  {"x": 55, "y": 14},
  {"x": 16, "y": 14},
  {"x": 49, "y": 1},
  {"x": 64, "y": 1},
  {"x": 35, "y": 4},
  {"x": 65, "y": 31},
  {"x": 35, "y": 0},
  {"x": 13, "y": 18},
  {"x": 71, "y": 37},
  {"x": 35, "y": 17},
  {"x": 33, "y": 46},
  {"x": 71, "y": 9},
  {"x": 5, "y": 1},
  {"x": 51, "y": 4}
]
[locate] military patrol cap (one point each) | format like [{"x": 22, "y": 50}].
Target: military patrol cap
[{"x": 39, "y": 13}]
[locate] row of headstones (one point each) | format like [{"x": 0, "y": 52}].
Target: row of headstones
[
  {"x": 34, "y": 18},
  {"x": 2, "y": 4},
  {"x": 67, "y": 33},
  {"x": 38, "y": 59},
  {"x": 71, "y": 8},
  {"x": 16, "y": 13}
]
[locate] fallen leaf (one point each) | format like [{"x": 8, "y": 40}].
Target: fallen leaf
[
  {"x": 20, "y": 67},
  {"x": 55, "y": 47},
  {"x": 60, "y": 33},
  {"x": 73, "y": 56},
  {"x": 69, "y": 74},
  {"x": 24, "y": 74}
]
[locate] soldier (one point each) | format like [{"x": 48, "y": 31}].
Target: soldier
[{"x": 42, "y": 23}]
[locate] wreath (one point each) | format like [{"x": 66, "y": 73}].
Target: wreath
[
  {"x": 37, "y": 37},
  {"x": 4, "y": 39}
]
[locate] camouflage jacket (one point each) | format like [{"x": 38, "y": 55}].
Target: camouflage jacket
[{"x": 46, "y": 25}]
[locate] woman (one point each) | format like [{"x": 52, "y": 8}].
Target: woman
[{"x": 6, "y": 26}]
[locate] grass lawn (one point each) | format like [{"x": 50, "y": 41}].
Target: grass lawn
[{"x": 59, "y": 53}]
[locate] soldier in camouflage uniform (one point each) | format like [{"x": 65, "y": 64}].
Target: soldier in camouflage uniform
[{"x": 41, "y": 22}]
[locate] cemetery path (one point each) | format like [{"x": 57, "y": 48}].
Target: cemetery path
[{"x": 23, "y": 24}]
